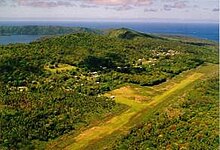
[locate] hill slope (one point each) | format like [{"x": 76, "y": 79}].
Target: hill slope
[
  {"x": 125, "y": 33},
  {"x": 43, "y": 30},
  {"x": 55, "y": 86}
]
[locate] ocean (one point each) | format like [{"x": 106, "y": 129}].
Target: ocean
[{"x": 208, "y": 31}]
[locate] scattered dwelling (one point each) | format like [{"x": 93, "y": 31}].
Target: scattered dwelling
[
  {"x": 34, "y": 82},
  {"x": 94, "y": 73},
  {"x": 22, "y": 88},
  {"x": 140, "y": 61},
  {"x": 103, "y": 67},
  {"x": 112, "y": 97},
  {"x": 68, "y": 89},
  {"x": 167, "y": 54},
  {"x": 158, "y": 53},
  {"x": 77, "y": 77},
  {"x": 13, "y": 88}
]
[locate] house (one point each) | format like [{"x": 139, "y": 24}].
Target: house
[
  {"x": 22, "y": 88},
  {"x": 112, "y": 97}
]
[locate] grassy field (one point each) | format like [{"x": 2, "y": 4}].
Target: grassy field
[
  {"x": 142, "y": 101},
  {"x": 59, "y": 68}
]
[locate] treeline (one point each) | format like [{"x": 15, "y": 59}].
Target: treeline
[
  {"x": 182, "y": 125},
  {"x": 42, "y": 30},
  {"x": 93, "y": 52},
  {"x": 38, "y": 104}
]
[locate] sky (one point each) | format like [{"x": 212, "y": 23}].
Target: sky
[{"x": 111, "y": 10}]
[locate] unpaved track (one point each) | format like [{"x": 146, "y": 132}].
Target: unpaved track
[{"x": 115, "y": 123}]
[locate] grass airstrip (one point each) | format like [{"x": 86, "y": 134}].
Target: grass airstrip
[{"x": 142, "y": 102}]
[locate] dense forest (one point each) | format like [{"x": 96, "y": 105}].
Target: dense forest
[
  {"x": 42, "y": 30},
  {"x": 55, "y": 85}
]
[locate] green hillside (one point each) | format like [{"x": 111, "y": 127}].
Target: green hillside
[
  {"x": 125, "y": 33},
  {"x": 57, "y": 86},
  {"x": 42, "y": 30}
]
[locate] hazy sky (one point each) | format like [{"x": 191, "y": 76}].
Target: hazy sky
[{"x": 142, "y": 10}]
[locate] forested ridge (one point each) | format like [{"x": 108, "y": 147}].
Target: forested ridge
[
  {"x": 53, "y": 86},
  {"x": 42, "y": 30}
]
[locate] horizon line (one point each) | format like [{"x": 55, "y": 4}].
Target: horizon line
[{"x": 109, "y": 19}]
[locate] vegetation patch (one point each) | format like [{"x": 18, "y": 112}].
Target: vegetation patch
[
  {"x": 114, "y": 124},
  {"x": 41, "y": 103},
  {"x": 58, "y": 68},
  {"x": 182, "y": 125},
  {"x": 130, "y": 93}
]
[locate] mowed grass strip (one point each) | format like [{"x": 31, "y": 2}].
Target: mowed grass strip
[
  {"x": 98, "y": 132},
  {"x": 175, "y": 88},
  {"x": 114, "y": 124}
]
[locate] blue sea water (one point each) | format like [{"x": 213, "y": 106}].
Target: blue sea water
[
  {"x": 208, "y": 31},
  {"x": 18, "y": 39}
]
